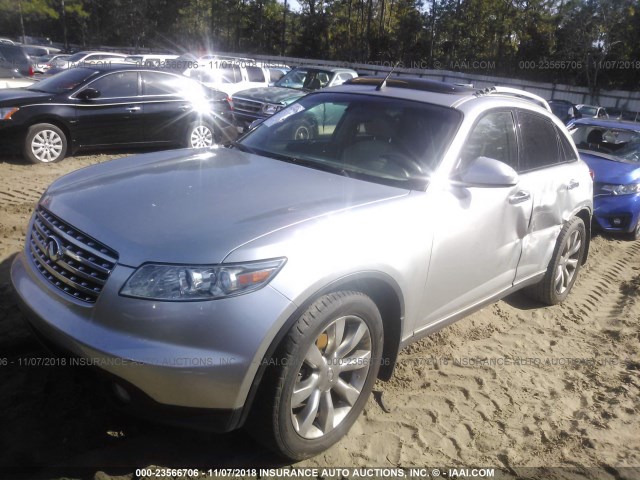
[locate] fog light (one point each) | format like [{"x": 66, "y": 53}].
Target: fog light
[{"x": 616, "y": 221}]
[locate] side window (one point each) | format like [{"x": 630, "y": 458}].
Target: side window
[
  {"x": 124, "y": 84},
  {"x": 567, "y": 149},
  {"x": 156, "y": 83},
  {"x": 231, "y": 74},
  {"x": 493, "y": 137},
  {"x": 255, "y": 74},
  {"x": 539, "y": 142},
  {"x": 341, "y": 78}
]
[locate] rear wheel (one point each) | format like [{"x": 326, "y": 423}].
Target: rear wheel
[
  {"x": 322, "y": 376},
  {"x": 45, "y": 143},
  {"x": 564, "y": 266},
  {"x": 199, "y": 135}
]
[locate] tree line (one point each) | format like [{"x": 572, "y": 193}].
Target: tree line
[{"x": 593, "y": 43}]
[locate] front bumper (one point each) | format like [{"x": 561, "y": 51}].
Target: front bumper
[
  {"x": 201, "y": 355},
  {"x": 625, "y": 208}
]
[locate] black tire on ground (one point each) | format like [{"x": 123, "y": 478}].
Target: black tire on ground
[
  {"x": 283, "y": 416},
  {"x": 44, "y": 143},
  {"x": 199, "y": 134},
  {"x": 564, "y": 266}
]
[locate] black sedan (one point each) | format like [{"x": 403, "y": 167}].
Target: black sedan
[{"x": 111, "y": 106}]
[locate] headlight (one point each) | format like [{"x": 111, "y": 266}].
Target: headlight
[
  {"x": 186, "y": 282},
  {"x": 6, "y": 113},
  {"x": 622, "y": 189},
  {"x": 271, "y": 108}
]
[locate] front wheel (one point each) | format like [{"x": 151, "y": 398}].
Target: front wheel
[
  {"x": 322, "y": 376},
  {"x": 45, "y": 143},
  {"x": 564, "y": 266},
  {"x": 199, "y": 135}
]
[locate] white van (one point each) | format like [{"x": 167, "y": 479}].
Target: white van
[{"x": 228, "y": 74}]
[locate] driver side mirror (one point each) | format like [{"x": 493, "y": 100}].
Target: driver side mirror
[
  {"x": 488, "y": 172},
  {"x": 88, "y": 94}
]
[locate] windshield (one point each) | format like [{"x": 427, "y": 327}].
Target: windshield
[
  {"x": 617, "y": 144},
  {"x": 305, "y": 79},
  {"x": 63, "y": 81},
  {"x": 588, "y": 111},
  {"x": 385, "y": 140}
]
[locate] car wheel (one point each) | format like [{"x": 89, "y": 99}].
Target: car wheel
[
  {"x": 45, "y": 143},
  {"x": 321, "y": 376},
  {"x": 305, "y": 131},
  {"x": 564, "y": 266},
  {"x": 199, "y": 135},
  {"x": 635, "y": 235}
]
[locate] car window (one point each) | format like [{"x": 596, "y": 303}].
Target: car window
[
  {"x": 63, "y": 81},
  {"x": 275, "y": 74},
  {"x": 539, "y": 142},
  {"x": 255, "y": 74},
  {"x": 567, "y": 149},
  {"x": 341, "y": 78},
  {"x": 122, "y": 84},
  {"x": 231, "y": 74},
  {"x": 493, "y": 136},
  {"x": 386, "y": 140},
  {"x": 157, "y": 83}
]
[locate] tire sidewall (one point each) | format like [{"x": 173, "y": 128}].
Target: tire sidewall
[
  {"x": 296, "y": 446},
  {"x": 33, "y": 131}
]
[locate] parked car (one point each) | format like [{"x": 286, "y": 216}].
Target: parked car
[
  {"x": 592, "y": 111},
  {"x": 564, "y": 110},
  {"x": 44, "y": 63},
  {"x": 6, "y": 41},
  {"x": 229, "y": 75},
  {"x": 259, "y": 103},
  {"x": 271, "y": 283},
  {"x": 14, "y": 57},
  {"x": 11, "y": 78},
  {"x": 102, "y": 107},
  {"x": 611, "y": 148},
  {"x": 151, "y": 60},
  {"x": 39, "y": 50},
  {"x": 84, "y": 58}
]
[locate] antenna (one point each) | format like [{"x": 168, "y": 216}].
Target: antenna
[{"x": 384, "y": 82}]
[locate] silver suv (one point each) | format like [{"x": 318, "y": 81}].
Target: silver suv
[{"x": 270, "y": 283}]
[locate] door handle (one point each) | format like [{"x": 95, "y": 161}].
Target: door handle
[
  {"x": 132, "y": 109},
  {"x": 573, "y": 184},
  {"x": 519, "y": 197}
]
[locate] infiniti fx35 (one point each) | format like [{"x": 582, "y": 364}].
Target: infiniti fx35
[{"x": 268, "y": 284}]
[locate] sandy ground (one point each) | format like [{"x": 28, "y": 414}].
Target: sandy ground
[{"x": 515, "y": 385}]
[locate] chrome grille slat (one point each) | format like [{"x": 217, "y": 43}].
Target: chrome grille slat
[
  {"x": 72, "y": 240},
  {"x": 79, "y": 265}
]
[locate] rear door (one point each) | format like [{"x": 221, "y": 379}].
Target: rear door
[
  {"x": 115, "y": 117},
  {"x": 548, "y": 175}
]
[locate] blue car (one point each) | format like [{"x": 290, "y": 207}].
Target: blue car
[{"x": 611, "y": 148}]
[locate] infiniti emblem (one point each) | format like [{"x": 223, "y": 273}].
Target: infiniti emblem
[{"x": 54, "y": 250}]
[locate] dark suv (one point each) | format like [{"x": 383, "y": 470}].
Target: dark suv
[{"x": 14, "y": 57}]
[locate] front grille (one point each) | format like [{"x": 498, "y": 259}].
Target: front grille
[
  {"x": 247, "y": 106},
  {"x": 73, "y": 262}
]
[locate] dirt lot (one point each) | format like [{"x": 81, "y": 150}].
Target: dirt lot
[{"x": 515, "y": 385}]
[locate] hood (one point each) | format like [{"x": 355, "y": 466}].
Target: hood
[
  {"x": 20, "y": 96},
  {"x": 272, "y": 94},
  {"x": 195, "y": 207},
  {"x": 611, "y": 171}
]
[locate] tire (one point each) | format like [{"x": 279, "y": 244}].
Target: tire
[
  {"x": 305, "y": 403},
  {"x": 45, "y": 143},
  {"x": 564, "y": 266},
  {"x": 306, "y": 130},
  {"x": 635, "y": 235},
  {"x": 199, "y": 135}
]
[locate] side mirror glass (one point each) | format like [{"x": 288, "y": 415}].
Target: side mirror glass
[
  {"x": 88, "y": 94},
  {"x": 488, "y": 172}
]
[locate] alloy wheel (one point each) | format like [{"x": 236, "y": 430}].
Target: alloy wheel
[
  {"x": 331, "y": 377},
  {"x": 201, "y": 136},
  {"x": 568, "y": 263},
  {"x": 47, "y": 146}
]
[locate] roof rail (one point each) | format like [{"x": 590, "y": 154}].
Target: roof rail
[{"x": 515, "y": 92}]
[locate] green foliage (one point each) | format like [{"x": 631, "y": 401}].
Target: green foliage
[{"x": 589, "y": 40}]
